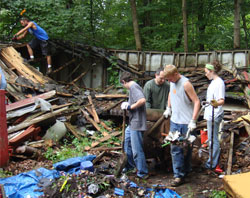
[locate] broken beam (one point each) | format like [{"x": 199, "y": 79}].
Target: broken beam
[
  {"x": 36, "y": 120},
  {"x": 95, "y": 115},
  {"x": 111, "y": 96},
  {"x": 29, "y": 101}
]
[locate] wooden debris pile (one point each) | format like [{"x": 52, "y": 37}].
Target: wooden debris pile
[
  {"x": 86, "y": 109},
  {"x": 28, "y": 90}
]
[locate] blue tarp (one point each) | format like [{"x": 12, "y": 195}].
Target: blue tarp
[
  {"x": 24, "y": 184},
  {"x": 159, "y": 193}
]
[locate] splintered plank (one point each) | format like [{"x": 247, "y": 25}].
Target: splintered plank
[
  {"x": 86, "y": 115},
  {"x": 111, "y": 96},
  {"x": 29, "y": 101},
  {"x": 36, "y": 120},
  {"x": 71, "y": 128},
  {"x": 104, "y": 133},
  {"x": 95, "y": 116},
  {"x": 14, "y": 60},
  {"x": 94, "y": 144}
]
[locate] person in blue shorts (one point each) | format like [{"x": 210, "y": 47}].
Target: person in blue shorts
[{"x": 40, "y": 39}]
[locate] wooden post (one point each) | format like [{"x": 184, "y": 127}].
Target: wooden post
[{"x": 230, "y": 156}]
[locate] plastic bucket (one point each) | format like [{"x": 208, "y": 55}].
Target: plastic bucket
[{"x": 203, "y": 136}]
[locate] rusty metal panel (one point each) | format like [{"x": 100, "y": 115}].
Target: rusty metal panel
[
  {"x": 93, "y": 79},
  {"x": 167, "y": 59},
  {"x": 154, "y": 60}
]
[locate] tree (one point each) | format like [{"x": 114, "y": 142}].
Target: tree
[
  {"x": 237, "y": 24},
  {"x": 135, "y": 25},
  {"x": 184, "y": 15}
]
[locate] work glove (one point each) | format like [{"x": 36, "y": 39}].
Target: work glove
[
  {"x": 14, "y": 38},
  {"x": 192, "y": 125},
  {"x": 167, "y": 112},
  {"x": 125, "y": 106},
  {"x": 214, "y": 103}
]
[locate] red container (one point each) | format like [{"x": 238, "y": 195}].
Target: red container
[
  {"x": 203, "y": 136},
  {"x": 4, "y": 154}
]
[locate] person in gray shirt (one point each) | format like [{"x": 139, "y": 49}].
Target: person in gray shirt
[{"x": 133, "y": 144}]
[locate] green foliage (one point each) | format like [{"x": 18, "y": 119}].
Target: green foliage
[
  {"x": 218, "y": 194},
  {"x": 113, "y": 72},
  {"x": 68, "y": 150},
  {"x": 4, "y": 174},
  {"x": 109, "y": 23}
]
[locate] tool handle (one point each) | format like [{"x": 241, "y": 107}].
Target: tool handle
[{"x": 123, "y": 127}]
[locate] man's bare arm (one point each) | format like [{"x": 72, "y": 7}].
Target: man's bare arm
[
  {"x": 25, "y": 29},
  {"x": 139, "y": 103},
  {"x": 189, "y": 89},
  {"x": 169, "y": 101}
]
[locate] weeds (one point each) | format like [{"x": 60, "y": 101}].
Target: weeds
[
  {"x": 4, "y": 173},
  {"x": 218, "y": 194},
  {"x": 68, "y": 150}
]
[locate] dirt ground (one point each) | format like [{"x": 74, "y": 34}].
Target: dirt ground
[{"x": 199, "y": 184}]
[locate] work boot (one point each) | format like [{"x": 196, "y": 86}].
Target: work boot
[
  {"x": 177, "y": 181},
  {"x": 28, "y": 60}
]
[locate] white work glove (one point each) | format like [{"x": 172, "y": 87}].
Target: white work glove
[
  {"x": 125, "y": 106},
  {"x": 192, "y": 125},
  {"x": 167, "y": 112}
]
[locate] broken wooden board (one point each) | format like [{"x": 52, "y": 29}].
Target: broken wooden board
[
  {"x": 94, "y": 144},
  {"x": 14, "y": 60},
  {"x": 72, "y": 129},
  {"x": 237, "y": 186},
  {"x": 111, "y": 96},
  {"x": 28, "y": 101},
  {"x": 95, "y": 115},
  {"x": 36, "y": 120},
  {"x": 86, "y": 115}
]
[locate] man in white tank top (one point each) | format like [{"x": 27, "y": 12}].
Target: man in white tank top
[{"x": 183, "y": 107}]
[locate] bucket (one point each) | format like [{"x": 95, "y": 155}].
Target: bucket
[
  {"x": 4, "y": 153},
  {"x": 203, "y": 136}
]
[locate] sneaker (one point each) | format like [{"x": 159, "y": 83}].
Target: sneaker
[
  {"x": 127, "y": 171},
  {"x": 143, "y": 177},
  {"x": 49, "y": 70},
  {"x": 28, "y": 60},
  {"x": 177, "y": 181}
]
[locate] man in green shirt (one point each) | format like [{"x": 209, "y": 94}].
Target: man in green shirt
[{"x": 156, "y": 91}]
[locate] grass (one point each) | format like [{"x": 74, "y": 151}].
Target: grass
[
  {"x": 4, "y": 174},
  {"x": 67, "y": 150}
]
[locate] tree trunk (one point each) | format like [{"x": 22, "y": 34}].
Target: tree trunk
[
  {"x": 184, "y": 15},
  {"x": 237, "y": 24},
  {"x": 91, "y": 21},
  {"x": 135, "y": 25},
  {"x": 243, "y": 16}
]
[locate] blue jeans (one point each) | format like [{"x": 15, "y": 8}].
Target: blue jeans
[
  {"x": 216, "y": 143},
  {"x": 181, "y": 162},
  {"x": 134, "y": 150}
]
